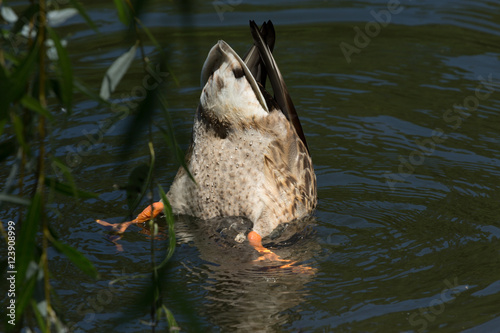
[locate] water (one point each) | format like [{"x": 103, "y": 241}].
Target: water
[{"x": 404, "y": 134}]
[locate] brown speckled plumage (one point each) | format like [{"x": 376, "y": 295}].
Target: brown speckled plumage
[{"x": 246, "y": 156}]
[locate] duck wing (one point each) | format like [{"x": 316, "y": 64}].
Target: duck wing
[{"x": 281, "y": 94}]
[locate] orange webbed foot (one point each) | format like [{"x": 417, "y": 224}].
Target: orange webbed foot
[
  {"x": 119, "y": 228},
  {"x": 256, "y": 242}
]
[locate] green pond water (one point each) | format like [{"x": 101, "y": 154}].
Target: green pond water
[{"x": 402, "y": 118}]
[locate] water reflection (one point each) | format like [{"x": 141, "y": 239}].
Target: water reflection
[{"x": 241, "y": 293}]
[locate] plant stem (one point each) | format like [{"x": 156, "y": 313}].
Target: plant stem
[{"x": 41, "y": 157}]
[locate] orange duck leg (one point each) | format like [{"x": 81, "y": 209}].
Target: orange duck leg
[{"x": 147, "y": 214}]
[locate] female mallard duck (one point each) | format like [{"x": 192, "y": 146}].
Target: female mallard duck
[{"x": 248, "y": 153}]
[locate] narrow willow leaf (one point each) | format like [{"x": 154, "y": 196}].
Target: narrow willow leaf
[
  {"x": 3, "y": 263},
  {"x": 64, "y": 169},
  {"x": 169, "y": 216},
  {"x": 142, "y": 118},
  {"x": 11, "y": 181},
  {"x": 34, "y": 105},
  {"x": 68, "y": 189},
  {"x": 76, "y": 258},
  {"x": 14, "y": 199},
  {"x": 14, "y": 88},
  {"x": 39, "y": 318},
  {"x": 19, "y": 130},
  {"x": 169, "y": 136},
  {"x": 116, "y": 71},
  {"x": 83, "y": 88},
  {"x": 138, "y": 182},
  {"x": 60, "y": 169},
  {"x": 78, "y": 6},
  {"x": 58, "y": 17},
  {"x": 150, "y": 35},
  {"x": 123, "y": 12},
  {"x": 25, "y": 244},
  {"x": 25, "y": 293},
  {"x": 4, "y": 74},
  {"x": 8, "y": 14},
  {"x": 66, "y": 71},
  {"x": 174, "y": 327}
]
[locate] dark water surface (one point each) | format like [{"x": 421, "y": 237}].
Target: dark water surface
[{"x": 405, "y": 137}]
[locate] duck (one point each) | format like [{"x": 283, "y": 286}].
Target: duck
[{"x": 248, "y": 154}]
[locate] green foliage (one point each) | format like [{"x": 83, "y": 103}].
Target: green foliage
[
  {"x": 137, "y": 185},
  {"x": 76, "y": 257},
  {"x": 167, "y": 210},
  {"x": 123, "y": 11},
  {"x": 13, "y": 84},
  {"x": 68, "y": 189},
  {"x": 35, "y": 67},
  {"x": 83, "y": 13}
]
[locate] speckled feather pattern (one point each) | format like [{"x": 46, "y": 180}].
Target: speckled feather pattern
[
  {"x": 246, "y": 160},
  {"x": 262, "y": 172}
]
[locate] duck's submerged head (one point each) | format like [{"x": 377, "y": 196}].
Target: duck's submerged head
[{"x": 231, "y": 96}]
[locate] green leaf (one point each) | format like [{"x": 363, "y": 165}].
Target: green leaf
[
  {"x": 123, "y": 12},
  {"x": 59, "y": 167},
  {"x": 68, "y": 189},
  {"x": 142, "y": 117},
  {"x": 169, "y": 136},
  {"x": 169, "y": 216},
  {"x": 78, "y": 6},
  {"x": 17, "y": 121},
  {"x": 4, "y": 73},
  {"x": 66, "y": 71},
  {"x": 25, "y": 244},
  {"x": 34, "y": 105},
  {"x": 174, "y": 327},
  {"x": 138, "y": 182},
  {"x": 83, "y": 88},
  {"x": 39, "y": 318},
  {"x": 14, "y": 199},
  {"x": 150, "y": 35},
  {"x": 76, "y": 258},
  {"x": 25, "y": 293},
  {"x": 116, "y": 71},
  {"x": 14, "y": 88}
]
